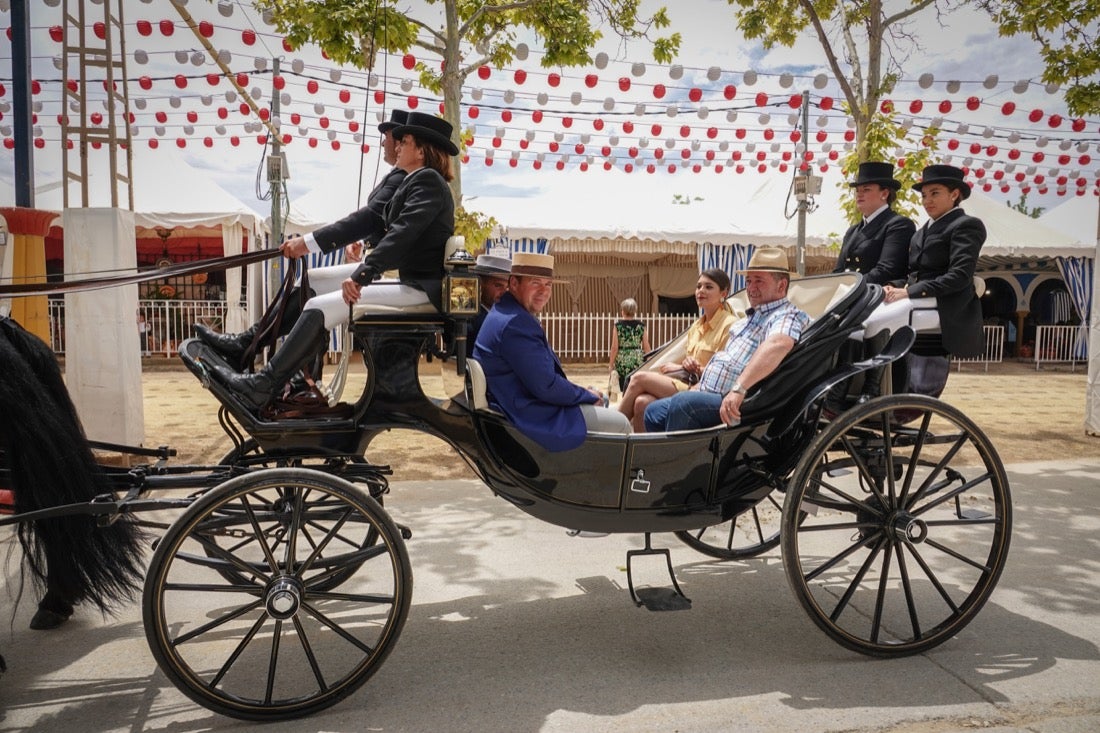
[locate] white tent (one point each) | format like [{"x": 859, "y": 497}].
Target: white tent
[{"x": 1079, "y": 217}]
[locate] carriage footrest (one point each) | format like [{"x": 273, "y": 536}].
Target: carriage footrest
[{"x": 656, "y": 599}]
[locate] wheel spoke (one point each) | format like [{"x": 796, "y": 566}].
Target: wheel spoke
[
  {"x": 842, "y": 555},
  {"x": 880, "y": 598},
  {"x": 857, "y": 581},
  {"x": 310, "y": 655},
  {"x": 196, "y": 632},
  {"x": 914, "y": 456},
  {"x": 347, "y": 636},
  {"x": 268, "y": 554},
  {"x": 239, "y": 649},
  {"x": 933, "y": 578},
  {"x": 273, "y": 661},
  {"x": 907, "y": 588}
]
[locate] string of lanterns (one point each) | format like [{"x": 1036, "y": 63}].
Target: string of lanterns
[{"x": 529, "y": 116}]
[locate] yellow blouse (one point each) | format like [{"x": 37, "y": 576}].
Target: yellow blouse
[{"x": 706, "y": 338}]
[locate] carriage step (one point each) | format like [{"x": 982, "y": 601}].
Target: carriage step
[{"x": 656, "y": 599}]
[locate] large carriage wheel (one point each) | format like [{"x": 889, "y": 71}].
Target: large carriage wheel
[
  {"x": 276, "y": 640},
  {"x": 749, "y": 534},
  {"x": 894, "y": 537},
  {"x": 249, "y": 455}
]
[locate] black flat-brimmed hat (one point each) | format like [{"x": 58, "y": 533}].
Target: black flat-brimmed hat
[
  {"x": 875, "y": 172},
  {"x": 428, "y": 128},
  {"x": 397, "y": 118},
  {"x": 946, "y": 175}
]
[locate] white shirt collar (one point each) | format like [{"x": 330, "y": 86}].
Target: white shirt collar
[{"x": 876, "y": 212}]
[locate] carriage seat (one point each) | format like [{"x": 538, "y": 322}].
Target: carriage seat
[
  {"x": 454, "y": 244},
  {"x": 476, "y": 386}
]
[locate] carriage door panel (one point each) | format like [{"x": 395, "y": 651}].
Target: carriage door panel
[{"x": 668, "y": 472}]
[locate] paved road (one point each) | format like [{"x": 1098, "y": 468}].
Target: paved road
[{"x": 517, "y": 627}]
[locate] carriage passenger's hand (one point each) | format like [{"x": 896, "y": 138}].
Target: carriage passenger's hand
[
  {"x": 351, "y": 290},
  {"x": 730, "y": 411},
  {"x": 294, "y": 248},
  {"x": 892, "y": 294},
  {"x": 669, "y": 367},
  {"x": 691, "y": 365}
]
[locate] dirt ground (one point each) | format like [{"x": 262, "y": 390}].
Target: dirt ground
[{"x": 1028, "y": 415}]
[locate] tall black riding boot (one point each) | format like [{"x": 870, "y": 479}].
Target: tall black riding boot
[
  {"x": 233, "y": 346},
  {"x": 872, "y": 379},
  {"x": 301, "y": 345}
]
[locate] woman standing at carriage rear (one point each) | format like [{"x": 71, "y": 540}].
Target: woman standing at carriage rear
[
  {"x": 939, "y": 290},
  {"x": 705, "y": 337},
  {"x": 419, "y": 219},
  {"x": 629, "y": 342}
]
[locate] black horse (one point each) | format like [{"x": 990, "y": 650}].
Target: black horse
[{"x": 46, "y": 461}]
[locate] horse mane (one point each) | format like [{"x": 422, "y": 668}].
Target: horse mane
[{"x": 46, "y": 452}]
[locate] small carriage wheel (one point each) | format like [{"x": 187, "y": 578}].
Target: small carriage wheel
[
  {"x": 274, "y": 641},
  {"x": 752, "y": 532},
  {"x": 895, "y": 536},
  {"x": 249, "y": 454}
]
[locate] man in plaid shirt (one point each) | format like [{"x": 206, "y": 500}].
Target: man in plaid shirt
[{"x": 756, "y": 346}]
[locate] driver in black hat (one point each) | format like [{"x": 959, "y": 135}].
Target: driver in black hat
[{"x": 877, "y": 246}]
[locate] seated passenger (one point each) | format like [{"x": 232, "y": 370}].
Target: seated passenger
[
  {"x": 705, "y": 337},
  {"x": 367, "y": 224},
  {"x": 756, "y": 346},
  {"x": 524, "y": 378},
  {"x": 493, "y": 273},
  {"x": 418, "y": 221}
]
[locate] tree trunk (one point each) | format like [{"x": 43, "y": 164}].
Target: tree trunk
[{"x": 452, "y": 94}]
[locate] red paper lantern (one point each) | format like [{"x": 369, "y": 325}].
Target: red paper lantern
[
  {"x": 684, "y": 130},
  {"x": 213, "y": 79},
  {"x": 413, "y": 102},
  {"x": 473, "y": 112},
  {"x": 520, "y": 76},
  {"x": 916, "y": 106},
  {"x": 795, "y": 136},
  {"x": 597, "y": 124},
  {"x": 768, "y": 133},
  {"x": 484, "y": 72},
  {"x": 192, "y": 117},
  {"x": 709, "y": 155},
  {"x": 512, "y": 162},
  {"x": 554, "y": 79},
  {"x": 345, "y": 96},
  {"x": 659, "y": 91},
  {"x": 234, "y": 141},
  {"x": 311, "y": 86},
  {"x": 56, "y": 32},
  {"x": 323, "y": 122},
  {"x": 496, "y": 141},
  {"x": 313, "y": 142},
  {"x": 223, "y": 113},
  {"x": 244, "y": 109},
  {"x": 695, "y": 94},
  {"x": 242, "y": 79},
  {"x": 560, "y": 165},
  {"x": 379, "y": 96},
  {"x": 849, "y": 135},
  {"x": 1055, "y": 121},
  {"x": 1008, "y": 108},
  {"x": 761, "y": 155},
  {"x": 287, "y": 46},
  {"x": 353, "y": 126},
  {"x": 153, "y": 143},
  {"x": 718, "y": 169},
  {"x": 655, "y": 130},
  {"x": 972, "y": 103},
  {"x": 591, "y": 80},
  {"x": 991, "y": 150},
  {"x": 408, "y": 61},
  {"x": 167, "y": 27},
  {"x": 523, "y": 143},
  {"x": 1038, "y": 157},
  {"x": 628, "y": 127},
  {"x": 537, "y": 164},
  {"x": 206, "y": 29},
  {"x": 659, "y": 153},
  {"x": 286, "y": 138},
  {"x": 208, "y": 142},
  {"x": 605, "y": 151},
  {"x": 145, "y": 82},
  {"x": 96, "y": 118},
  {"x": 975, "y": 148},
  {"x": 624, "y": 83},
  {"x": 945, "y": 106},
  {"x": 821, "y": 136},
  {"x": 144, "y": 28},
  {"x": 628, "y": 168},
  {"x": 826, "y": 103},
  {"x": 1084, "y": 160},
  {"x": 730, "y": 91},
  {"x": 1078, "y": 125},
  {"x": 685, "y": 153},
  {"x": 952, "y": 144},
  {"x": 579, "y": 148},
  {"x": 886, "y": 106},
  {"x": 536, "y": 116},
  {"x": 249, "y": 37},
  {"x": 761, "y": 99},
  {"x": 795, "y": 102},
  {"x": 566, "y": 122},
  {"x": 181, "y": 142},
  {"x": 553, "y": 146},
  {"x": 712, "y": 132},
  {"x": 633, "y": 152},
  {"x": 1035, "y": 115},
  {"x": 650, "y": 168},
  {"x": 1013, "y": 154},
  {"x": 607, "y": 165},
  {"x": 181, "y": 81},
  {"x": 295, "y": 118},
  {"x": 740, "y": 133}
]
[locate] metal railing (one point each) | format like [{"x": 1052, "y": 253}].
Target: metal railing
[
  {"x": 994, "y": 351},
  {"x": 1060, "y": 344},
  {"x": 167, "y": 323}
]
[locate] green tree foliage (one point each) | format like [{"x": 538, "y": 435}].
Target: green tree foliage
[
  {"x": 459, "y": 36},
  {"x": 864, "y": 44},
  {"x": 1033, "y": 211},
  {"x": 1069, "y": 33}
]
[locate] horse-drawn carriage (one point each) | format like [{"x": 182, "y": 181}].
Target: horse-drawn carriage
[{"x": 284, "y": 584}]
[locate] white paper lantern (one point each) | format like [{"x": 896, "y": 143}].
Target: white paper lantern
[
  {"x": 349, "y": 113},
  {"x": 637, "y": 68},
  {"x": 613, "y": 141},
  {"x": 189, "y": 130},
  {"x": 750, "y": 148},
  {"x": 608, "y": 104},
  {"x": 1053, "y": 87},
  {"x": 141, "y": 56},
  {"x": 226, "y": 9},
  {"x": 1021, "y": 86},
  {"x": 639, "y": 109},
  {"x": 224, "y": 57},
  {"x": 220, "y": 129},
  {"x": 643, "y": 142},
  {"x": 260, "y": 64},
  {"x": 529, "y": 135},
  {"x": 820, "y": 81},
  {"x": 991, "y": 81},
  {"x": 731, "y": 116},
  {"x": 953, "y": 86},
  {"x": 159, "y": 130},
  {"x": 198, "y": 58},
  {"x": 139, "y": 103},
  {"x": 334, "y": 75},
  {"x": 1013, "y": 137},
  {"x": 749, "y": 77},
  {"x": 181, "y": 56},
  {"x": 675, "y": 72},
  {"x": 670, "y": 143},
  {"x": 509, "y": 96},
  {"x": 407, "y": 85},
  {"x": 542, "y": 99},
  {"x": 372, "y": 81},
  {"x": 962, "y": 129},
  {"x": 357, "y": 138},
  {"x": 672, "y": 110},
  {"x": 925, "y": 80},
  {"x": 764, "y": 119},
  {"x": 285, "y": 99},
  {"x": 601, "y": 60},
  {"x": 175, "y": 101},
  {"x": 786, "y": 80},
  {"x": 522, "y": 51},
  {"x": 319, "y": 109},
  {"x": 297, "y": 66},
  {"x": 575, "y": 98},
  {"x": 702, "y": 113},
  {"x": 1042, "y": 142},
  {"x": 559, "y": 136},
  {"x": 714, "y": 73}
]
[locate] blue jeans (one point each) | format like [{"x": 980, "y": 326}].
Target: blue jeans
[{"x": 688, "y": 410}]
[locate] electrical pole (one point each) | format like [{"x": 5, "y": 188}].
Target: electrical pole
[{"x": 275, "y": 176}]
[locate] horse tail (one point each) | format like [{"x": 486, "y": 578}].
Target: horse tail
[{"x": 50, "y": 463}]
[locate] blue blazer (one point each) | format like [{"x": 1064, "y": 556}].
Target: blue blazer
[{"x": 525, "y": 380}]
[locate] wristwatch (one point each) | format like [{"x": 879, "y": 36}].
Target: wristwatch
[{"x": 736, "y": 388}]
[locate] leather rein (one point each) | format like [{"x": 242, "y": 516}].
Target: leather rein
[{"x": 109, "y": 281}]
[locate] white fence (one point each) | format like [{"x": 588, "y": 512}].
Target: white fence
[
  {"x": 994, "y": 351},
  {"x": 167, "y": 323},
  {"x": 1060, "y": 344},
  {"x": 586, "y": 337}
]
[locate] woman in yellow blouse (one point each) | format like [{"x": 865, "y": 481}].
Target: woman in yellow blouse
[{"x": 706, "y": 336}]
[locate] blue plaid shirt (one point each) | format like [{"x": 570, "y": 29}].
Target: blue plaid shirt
[{"x": 778, "y": 317}]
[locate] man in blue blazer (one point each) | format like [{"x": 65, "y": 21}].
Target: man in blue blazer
[{"x": 524, "y": 377}]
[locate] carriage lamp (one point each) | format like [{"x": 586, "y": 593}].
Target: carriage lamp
[{"x": 461, "y": 288}]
